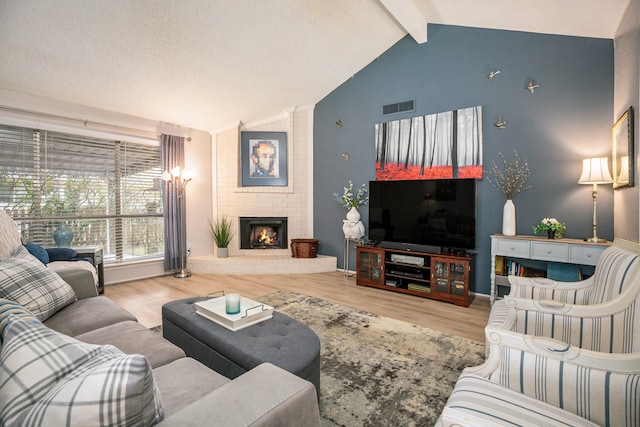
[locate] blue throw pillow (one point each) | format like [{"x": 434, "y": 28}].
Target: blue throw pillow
[
  {"x": 38, "y": 252},
  {"x": 61, "y": 254}
]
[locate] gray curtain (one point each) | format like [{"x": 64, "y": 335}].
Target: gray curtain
[{"x": 173, "y": 207}]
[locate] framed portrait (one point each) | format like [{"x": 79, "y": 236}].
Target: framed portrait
[
  {"x": 622, "y": 151},
  {"x": 263, "y": 159}
]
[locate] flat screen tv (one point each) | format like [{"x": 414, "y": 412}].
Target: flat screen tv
[{"x": 423, "y": 215}]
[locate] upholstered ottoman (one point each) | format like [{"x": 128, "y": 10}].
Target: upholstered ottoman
[{"x": 281, "y": 340}]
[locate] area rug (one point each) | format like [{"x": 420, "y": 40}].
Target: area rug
[{"x": 377, "y": 371}]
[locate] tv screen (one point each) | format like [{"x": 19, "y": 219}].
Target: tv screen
[{"x": 439, "y": 212}]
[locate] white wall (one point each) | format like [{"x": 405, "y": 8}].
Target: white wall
[
  {"x": 293, "y": 201},
  {"x": 627, "y": 93}
]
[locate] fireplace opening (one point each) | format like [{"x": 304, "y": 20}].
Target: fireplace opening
[{"x": 263, "y": 233}]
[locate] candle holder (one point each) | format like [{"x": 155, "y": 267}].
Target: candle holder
[{"x": 232, "y": 303}]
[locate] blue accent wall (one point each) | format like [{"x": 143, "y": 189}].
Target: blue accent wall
[{"x": 567, "y": 119}]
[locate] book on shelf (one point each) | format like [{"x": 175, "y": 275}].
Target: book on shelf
[
  {"x": 501, "y": 265},
  {"x": 418, "y": 287},
  {"x": 516, "y": 269},
  {"x": 532, "y": 272}
]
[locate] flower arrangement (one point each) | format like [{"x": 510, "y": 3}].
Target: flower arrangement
[
  {"x": 552, "y": 226},
  {"x": 512, "y": 179},
  {"x": 350, "y": 200}
]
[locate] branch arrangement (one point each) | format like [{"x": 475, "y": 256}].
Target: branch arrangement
[{"x": 512, "y": 178}]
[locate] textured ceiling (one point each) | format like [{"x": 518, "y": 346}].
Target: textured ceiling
[{"x": 207, "y": 64}]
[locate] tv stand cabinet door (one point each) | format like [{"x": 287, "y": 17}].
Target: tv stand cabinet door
[
  {"x": 369, "y": 266},
  {"x": 450, "y": 279}
]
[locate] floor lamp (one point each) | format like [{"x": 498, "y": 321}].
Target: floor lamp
[
  {"x": 179, "y": 178},
  {"x": 595, "y": 171}
]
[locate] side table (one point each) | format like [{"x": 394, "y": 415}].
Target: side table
[
  {"x": 348, "y": 243},
  {"x": 568, "y": 251},
  {"x": 95, "y": 253}
]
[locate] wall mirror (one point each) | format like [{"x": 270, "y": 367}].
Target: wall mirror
[{"x": 622, "y": 156}]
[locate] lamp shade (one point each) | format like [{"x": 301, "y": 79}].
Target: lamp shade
[{"x": 595, "y": 171}]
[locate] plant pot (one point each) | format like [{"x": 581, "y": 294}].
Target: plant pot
[
  {"x": 551, "y": 234},
  {"x": 223, "y": 252}
]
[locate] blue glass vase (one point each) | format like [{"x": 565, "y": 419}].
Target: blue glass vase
[{"x": 63, "y": 236}]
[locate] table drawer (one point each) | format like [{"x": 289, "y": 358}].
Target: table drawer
[
  {"x": 512, "y": 247},
  {"x": 586, "y": 254},
  {"x": 558, "y": 252}
]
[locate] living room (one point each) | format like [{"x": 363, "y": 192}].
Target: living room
[
  {"x": 587, "y": 80},
  {"x": 567, "y": 119}
]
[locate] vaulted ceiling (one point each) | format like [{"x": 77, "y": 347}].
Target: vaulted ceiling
[{"x": 209, "y": 63}]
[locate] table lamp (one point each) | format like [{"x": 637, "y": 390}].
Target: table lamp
[{"x": 595, "y": 171}]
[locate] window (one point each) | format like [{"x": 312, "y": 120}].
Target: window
[{"x": 108, "y": 192}]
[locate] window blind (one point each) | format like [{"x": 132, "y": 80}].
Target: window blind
[{"x": 108, "y": 192}]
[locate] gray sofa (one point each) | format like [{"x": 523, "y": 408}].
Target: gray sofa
[
  {"x": 192, "y": 393},
  {"x": 53, "y": 373}
]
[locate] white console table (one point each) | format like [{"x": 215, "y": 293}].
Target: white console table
[{"x": 571, "y": 251}]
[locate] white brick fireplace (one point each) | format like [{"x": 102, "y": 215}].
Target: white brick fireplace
[{"x": 293, "y": 202}]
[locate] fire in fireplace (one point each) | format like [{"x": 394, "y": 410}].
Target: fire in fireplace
[{"x": 263, "y": 233}]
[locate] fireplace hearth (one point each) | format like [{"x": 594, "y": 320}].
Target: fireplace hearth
[{"x": 263, "y": 233}]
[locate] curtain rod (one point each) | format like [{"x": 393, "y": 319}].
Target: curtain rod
[{"x": 85, "y": 123}]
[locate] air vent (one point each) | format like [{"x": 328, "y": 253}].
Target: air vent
[{"x": 398, "y": 107}]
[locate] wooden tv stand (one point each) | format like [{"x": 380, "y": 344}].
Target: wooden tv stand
[{"x": 445, "y": 276}]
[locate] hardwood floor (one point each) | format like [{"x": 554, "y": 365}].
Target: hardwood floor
[{"x": 144, "y": 298}]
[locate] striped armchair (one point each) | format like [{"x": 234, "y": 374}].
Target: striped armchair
[
  {"x": 554, "y": 363},
  {"x": 529, "y": 380}
]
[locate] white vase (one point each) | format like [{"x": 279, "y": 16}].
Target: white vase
[
  {"x": 509, "y": 218},
  {"x": 352, "y": 229},
  {"x": 223, "y": 252},
  {"x": 353, "y": 215}
]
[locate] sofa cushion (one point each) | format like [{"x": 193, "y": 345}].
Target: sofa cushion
[
  {"x": 87, "y": 315},
  {"x": 9, "y": 236},
  {"x": 49, "y": 376},
  {"x": 131, "y": 337},
  {"x": 476, "y": 401},
  {"x": 184, "y": 381},
  {"x": 25, "y": 280},
  {"x": 38, "y": 252}
]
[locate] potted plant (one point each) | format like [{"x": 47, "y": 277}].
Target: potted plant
[
  {"x": 221, "y": 233},
  {"x": 352, "y": 226},
  {"x": 554, "y": 228}
]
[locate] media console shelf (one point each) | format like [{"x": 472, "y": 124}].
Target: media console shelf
[
  {"x": 445, "y": 276},
  {"x": 568, "y": 251}
]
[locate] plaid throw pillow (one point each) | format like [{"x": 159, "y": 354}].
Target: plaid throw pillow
[
  {"x": 9, "y": 307},
  {"x": 25, "y": 280},
  {"x": 50, "y": 378}
]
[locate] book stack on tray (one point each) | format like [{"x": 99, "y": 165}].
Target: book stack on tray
[{"x": 251, "y": 312}]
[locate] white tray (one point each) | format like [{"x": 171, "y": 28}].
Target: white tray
[{"x": 251, "y": 312}]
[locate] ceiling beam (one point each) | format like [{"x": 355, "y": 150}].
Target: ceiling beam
[{"x": 409, "y": 17}]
